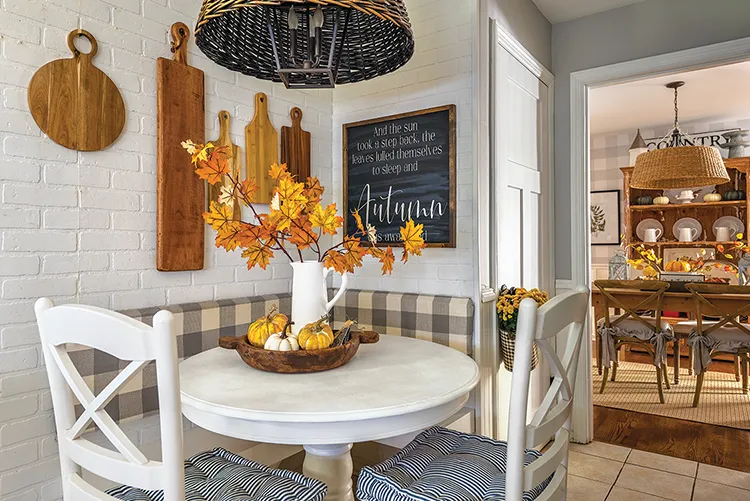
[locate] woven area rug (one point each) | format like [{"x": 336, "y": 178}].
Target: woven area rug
[{"x": 722, "y": 402}]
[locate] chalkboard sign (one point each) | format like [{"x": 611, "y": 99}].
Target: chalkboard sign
[{"x": 403, "y": 167}]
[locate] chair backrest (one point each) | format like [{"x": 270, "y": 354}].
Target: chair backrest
[
  {"x": 653, "y": 301},
  {"x": 128, "y": 340},
  {"x": 725, "y": 302},
  {"x": 564, "y": 315}
]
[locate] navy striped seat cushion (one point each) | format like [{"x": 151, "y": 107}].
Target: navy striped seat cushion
[
  {"x": 444, "y": 465},
  {"x": 219, "y": 475}
]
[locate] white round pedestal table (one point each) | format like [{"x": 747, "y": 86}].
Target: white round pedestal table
[{"x": 396, "y": 386}]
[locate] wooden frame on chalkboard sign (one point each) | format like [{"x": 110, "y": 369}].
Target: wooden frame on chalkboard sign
[{"x": 449, "y": 242}]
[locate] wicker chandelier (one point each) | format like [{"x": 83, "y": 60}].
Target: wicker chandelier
[
  {"x": 306, "y": 43},
  {"x": 682, "y": 164}
]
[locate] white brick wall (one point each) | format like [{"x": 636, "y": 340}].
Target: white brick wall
[
  {"x": 80, "y": 226},
  {"x": 439, "y": 73}
]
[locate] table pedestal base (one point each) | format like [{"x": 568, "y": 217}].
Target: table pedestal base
[{"x": 332, "y": 465}]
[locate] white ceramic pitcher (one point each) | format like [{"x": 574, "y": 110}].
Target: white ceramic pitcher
[{"x": 309, "y": 293}]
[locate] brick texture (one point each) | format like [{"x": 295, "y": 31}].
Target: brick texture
[
  {"x": 80, "y": 226},
  {"x": 440, "y": 73}
]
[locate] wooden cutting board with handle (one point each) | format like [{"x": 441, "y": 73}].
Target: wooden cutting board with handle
[
  {"x": 180, "y": 193},
  {"x": 235, "y": 163},
  {"x": 74, "y": 102},
  {"x": 262, "y": 143},
  {"x": 295, "y": 147}
]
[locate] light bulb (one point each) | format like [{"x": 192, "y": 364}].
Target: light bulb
[
  {"x": 318, "y": 17},
  {"x": 293, "y": 19}
]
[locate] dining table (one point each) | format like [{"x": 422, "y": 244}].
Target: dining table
[
  {"x": 394, "y": 387},
  {"x": 678, "y": 301}
]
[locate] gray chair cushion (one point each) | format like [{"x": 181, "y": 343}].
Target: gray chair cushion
[
  {"x": 219, "y": 475},
  {"x": 443, "y": 465}
]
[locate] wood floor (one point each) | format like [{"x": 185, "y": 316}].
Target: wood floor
[{"x": 715, "y": 445}]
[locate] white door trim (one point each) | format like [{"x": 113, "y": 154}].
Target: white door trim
[
  {"x": 500, "y": 37},
  {"x": 580, "y": 83},
  {"x": 507, "y": 41}
]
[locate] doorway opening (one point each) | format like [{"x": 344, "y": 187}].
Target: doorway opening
[{"x": 608, "y": 106}]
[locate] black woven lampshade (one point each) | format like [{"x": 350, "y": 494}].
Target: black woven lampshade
[{"x": 348, "y": 41}]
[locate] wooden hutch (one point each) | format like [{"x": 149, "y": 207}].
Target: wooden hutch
[{"x": 705, "y": 212}]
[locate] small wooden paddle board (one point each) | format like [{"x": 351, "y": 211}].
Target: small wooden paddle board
[
  {"x": 262, "y": 143},
  {"x": 295, "y": 147},
  {"x": 235, "y": 163},
  {"x": 180, "y": 193},
  {"x": 74, "y": 102}
]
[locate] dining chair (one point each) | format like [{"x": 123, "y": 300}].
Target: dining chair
[
  {"x": 447, "y": 465},
  {"x": 726, "y": 334},
  {"x": 633, "y": 328},
  {"x": 211, "y": 475}
]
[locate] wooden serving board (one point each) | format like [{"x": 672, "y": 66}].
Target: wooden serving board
[
  {"x": 180, "y": 193},
  {"x": 74, "y": 102},
  {"x": 295, "y": 147},
  {"x": 262, "y": 143},
  {"x": 235, "y": 163},
  {"x": 300, "y": 361}
]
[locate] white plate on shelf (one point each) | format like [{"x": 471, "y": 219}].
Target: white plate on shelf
[
  {"x": 687, "y": 222},
  {"x": 734, "y": 224},
  {"x": 718, "y": 270},
  {"x": 647, "y": 224}
]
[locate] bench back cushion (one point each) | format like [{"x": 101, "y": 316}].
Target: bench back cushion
[
  {"x": 444, "y": 320},
  {"x": 441, "y": 319}
]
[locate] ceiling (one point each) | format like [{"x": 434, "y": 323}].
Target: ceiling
[
  {"x": 558, "y": 11},
  {"x": 714, "y": 94}
]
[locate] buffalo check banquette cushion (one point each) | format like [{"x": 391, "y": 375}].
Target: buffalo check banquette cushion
[{"x": 441, "y": 319}]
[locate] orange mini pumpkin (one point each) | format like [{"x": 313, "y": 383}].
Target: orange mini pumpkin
[
  {"x": 316, "y": 336},
  {"x": 263, "y": 328},
  {"x": 678, "y": 266}
]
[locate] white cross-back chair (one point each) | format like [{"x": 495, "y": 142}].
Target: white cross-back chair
[
  {"x": 446, "y": 465},
  {"x": 126, "y": 339},
  {"x": 561, "y": 319},
  {"x": 213, "y": 475}
]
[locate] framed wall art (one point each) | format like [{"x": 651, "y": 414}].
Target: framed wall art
[{"x": 605, "y": 217}]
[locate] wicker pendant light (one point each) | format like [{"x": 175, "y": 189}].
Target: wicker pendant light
[
  {"x": 306, "y": 44},
  {"x": 681, "y": 165}
]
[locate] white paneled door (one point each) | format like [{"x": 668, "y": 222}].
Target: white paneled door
[{"x": 520, "y": 133}]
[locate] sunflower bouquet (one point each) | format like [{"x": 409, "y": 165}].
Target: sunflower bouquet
[{"x": 508, "y": 303}]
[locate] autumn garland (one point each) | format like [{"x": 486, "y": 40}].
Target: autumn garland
[{"x": 296, "y": 217}]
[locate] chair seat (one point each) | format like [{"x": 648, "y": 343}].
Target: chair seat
[
  {"x": 685, "y": 327},
  {"x": 220, "y": 475},
  {"x": 732, "y": 335},
  {"x": 444, "y": 465}
]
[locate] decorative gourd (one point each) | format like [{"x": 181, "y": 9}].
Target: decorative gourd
[
  {"x": 712, "y": 197},
  {"x": 282, "y": 341},
  {"x": 661, "y": 200},
  {"x": 315, "y": 336},
  {"x": 260, "y": 330},
  {"x": 644, "y": 200},
  {"x": 678, "y": 266},
  {"x": 731, "y": 195}
]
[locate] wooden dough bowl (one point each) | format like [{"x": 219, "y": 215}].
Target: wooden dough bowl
[{"x": 300, "y": 361}]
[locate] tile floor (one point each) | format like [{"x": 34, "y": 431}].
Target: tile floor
[{"x": 606, "y": 472}]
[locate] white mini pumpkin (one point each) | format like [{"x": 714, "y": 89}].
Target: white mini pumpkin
[
  {"x": 712, "y": 197},
  {"x": 661, "y": 200},
  {"x": 282, "y": 341}
]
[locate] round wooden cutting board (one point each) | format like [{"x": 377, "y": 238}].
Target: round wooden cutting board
[{"x": 74, "y": 102}]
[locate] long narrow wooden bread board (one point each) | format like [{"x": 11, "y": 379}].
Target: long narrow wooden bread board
[{"x": 180, "y": 193}]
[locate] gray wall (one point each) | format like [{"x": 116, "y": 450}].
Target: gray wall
[
  {"x": 640, "y": 30},
  {"x": 527, "y": 24}
]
